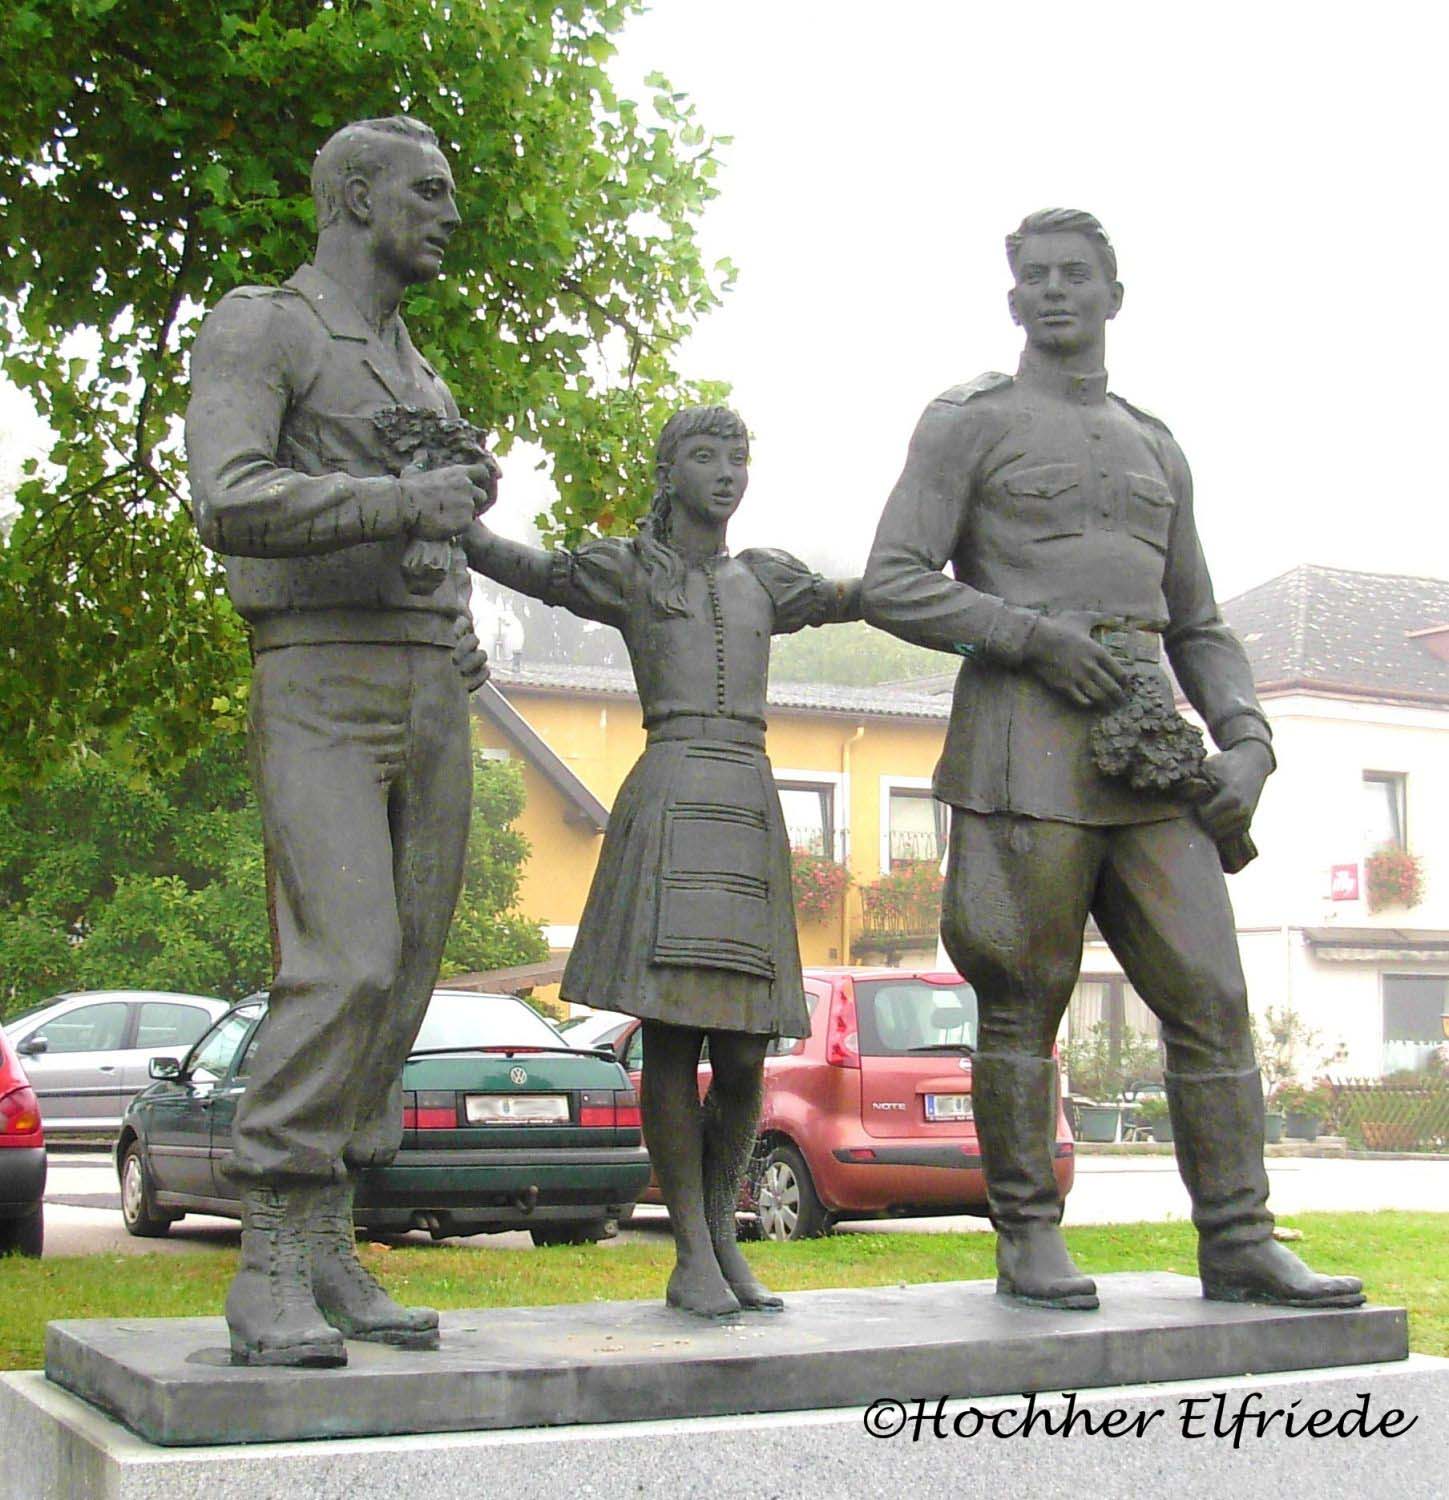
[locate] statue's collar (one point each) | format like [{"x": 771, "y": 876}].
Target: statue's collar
[
  {"x": 1039, "y": 374},
  {"x": 332, "y": 303}
]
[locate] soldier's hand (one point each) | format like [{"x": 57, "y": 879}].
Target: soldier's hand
[
  {"x": 469, "y": 657},
  {"x": 1237, "y": 778},
  {"x": 446, "y": 500},
  {"x": 1063, "y": 654}
]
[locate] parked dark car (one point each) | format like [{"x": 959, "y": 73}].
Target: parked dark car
[
  {"x": 504, "y": 1127},
  {"x": 870, "y": 1116},
  {"x": 87, "y": 1053},
  {"x": 22, "y": 1159}
]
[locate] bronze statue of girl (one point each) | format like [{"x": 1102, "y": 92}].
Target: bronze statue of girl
[{"x": 689, "y": 922}]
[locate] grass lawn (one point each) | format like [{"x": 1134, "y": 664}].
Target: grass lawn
[{"x": 1402, "y": 1257}]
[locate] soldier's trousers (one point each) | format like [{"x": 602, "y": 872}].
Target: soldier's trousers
[
  {"x": 1018, "y": 894},
  {"x": 361, "y": 760}
]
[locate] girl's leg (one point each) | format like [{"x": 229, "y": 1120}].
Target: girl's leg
[
  {"x": 731, "y": 1114},
  {"x": 669, "y": 1100}
]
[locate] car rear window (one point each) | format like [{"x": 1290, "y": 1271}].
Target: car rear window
[
  {"x": 483, "y": 1021},
  {"x": 897, "y": 1016},
  {"x": 163, "y": 1024}
]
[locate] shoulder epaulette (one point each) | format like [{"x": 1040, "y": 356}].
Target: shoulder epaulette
[
  {"x": 1142, "y": 416},
  {"x": 968, "y": 390},
  {"x": 252, "y": 293}
]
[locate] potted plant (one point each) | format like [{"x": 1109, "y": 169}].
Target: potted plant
[
  {"x": 819, "y": 882},
  {"x": 1151, "y": 1111},
  {"x": 1393, "y": 877},
  {"x": 1304, "y": 1108},
  {"x": 1099, "y": 1074}
]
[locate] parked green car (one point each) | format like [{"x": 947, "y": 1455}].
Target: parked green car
[{"x": 505, "y": 1126}]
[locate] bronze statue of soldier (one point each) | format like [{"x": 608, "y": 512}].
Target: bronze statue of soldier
[
  {"x": 359, "y": 716},
  {"x": 689, "y": 922},
  {"x": 1067, "y": 518}
]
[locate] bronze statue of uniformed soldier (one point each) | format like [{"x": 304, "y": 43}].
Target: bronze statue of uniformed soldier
[
  {"x": 359, "y": 717},
  {"x": 1067, "y": 518}
]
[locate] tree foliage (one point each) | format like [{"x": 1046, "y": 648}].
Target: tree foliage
[
  {"x": 155, "y": 156},
  {"x": 854, "y": 655},
  {"x": 110, "y": 879}
]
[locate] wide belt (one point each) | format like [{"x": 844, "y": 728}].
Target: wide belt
[
  {"x": 716, "y": 727},
  {"x": 1129, "y": 643}
]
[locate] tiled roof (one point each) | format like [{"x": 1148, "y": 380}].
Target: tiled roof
[
  {"x": 885, "y": 701},
  {"x": 1331, "y": 629}
]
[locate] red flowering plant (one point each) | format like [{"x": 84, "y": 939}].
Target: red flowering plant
[
  {"x": 1393, "y": 877},
  {"x": 818, "y": 882},
  {"x": 913, "y": 889}
]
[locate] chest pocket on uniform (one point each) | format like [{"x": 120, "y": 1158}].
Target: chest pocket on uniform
[
  {"x": 1149, "y": 509},
  {"x": 1046, "y": 501}
]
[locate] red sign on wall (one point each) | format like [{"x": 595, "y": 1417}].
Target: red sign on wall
[{"x": 1343, "y": 882}]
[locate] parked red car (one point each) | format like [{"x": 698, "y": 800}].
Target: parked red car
[
  {"x": 870, "y": 1116},
  {"x": 22, "y": 1159}
]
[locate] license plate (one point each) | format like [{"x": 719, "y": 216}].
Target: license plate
[
  {"x": 516, "y": 1109},
  {"x": 948, "y": 1106}
]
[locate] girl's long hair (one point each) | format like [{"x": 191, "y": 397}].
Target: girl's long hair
[{"x": 663, "y": 567}]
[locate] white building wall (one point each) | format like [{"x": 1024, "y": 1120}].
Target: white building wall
[{"x": 1309, "y": 820}]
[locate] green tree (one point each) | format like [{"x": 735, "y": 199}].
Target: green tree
[
  {"x": 155, "y": 156},
  {"x": 487, "y": 931},
  {"x": 854, "y": 655},
  {"x": 109, "y": 878}
]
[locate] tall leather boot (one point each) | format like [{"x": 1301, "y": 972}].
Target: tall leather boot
[
  {"x": 269, "y": 1309},
  {"x": 1217, "y": 1129},
  {"x": 349, "y": 1296},
  {"x": 1015, "y": 1104}
]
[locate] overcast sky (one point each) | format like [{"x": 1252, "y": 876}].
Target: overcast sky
[{"x": 1272, "y": 175}]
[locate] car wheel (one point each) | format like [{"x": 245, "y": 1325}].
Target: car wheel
[
  {"x": 138, "y": 1210},
  {"x": 789, "y": 1207},
  {"x": 24, "y": 1236},
  {"x": 575, "y": 1234}
]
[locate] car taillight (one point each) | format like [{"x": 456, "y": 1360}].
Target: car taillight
[
  {"x": 430, "y": 1110},
  {"x": 609, "y": 1109},
  {"x": 842, "y": 1035},
  {"x": 20, "y": 1119}
]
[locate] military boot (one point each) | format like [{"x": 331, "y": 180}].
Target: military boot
[
  {"x": 1217, "y": 1129},
  {"x": 348, "y": 1294},
  {"x": 1015, "y": 1104},
  {"x": 269, "y": 1309}
]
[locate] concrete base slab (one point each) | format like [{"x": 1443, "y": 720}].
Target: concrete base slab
[
  {"x": 1389, "y": 1439},
  {"x": 171, "y": 1380}
]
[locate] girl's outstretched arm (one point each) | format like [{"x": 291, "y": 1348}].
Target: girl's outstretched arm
[
  {"x": 595, "y": 581},
  {"x": 526, "y": 569}
]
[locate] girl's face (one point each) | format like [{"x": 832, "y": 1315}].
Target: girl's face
[{"x": 708, "y": 477}]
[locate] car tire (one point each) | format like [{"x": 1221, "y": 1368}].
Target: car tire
[
  {"x": 587, "y": 1233},
  {"x": 789, "y": 1206},
  {"x": 24, "y": 1236},
  {"x": 138, "y": 1209}
]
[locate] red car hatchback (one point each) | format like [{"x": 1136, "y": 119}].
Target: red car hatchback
[
  {"x": 22, "y": 1159},
  {"x": 870, "y": 1116}
]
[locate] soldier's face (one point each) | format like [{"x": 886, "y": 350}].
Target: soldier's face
[
  {"x": 709, "y": 475},
  {"x": 1063, "y": 298},
  {"x": 413, "y": 212}
]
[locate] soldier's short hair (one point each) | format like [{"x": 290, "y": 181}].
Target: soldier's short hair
[
  {"x": 359, "y": 149},
  {"x": 1063, "y": 221}
]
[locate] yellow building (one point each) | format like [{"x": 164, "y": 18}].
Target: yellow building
[{"x": 853, "y": 766}]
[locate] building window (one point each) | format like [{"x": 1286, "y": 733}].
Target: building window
[
  {"x": 1108, "y": 1000},
  {"x": 916, "y": 827},
  {"x": 1414, "y": 1007},
  {"x": 809, "y": 811},
  {"x": 1384, "y": 811}
]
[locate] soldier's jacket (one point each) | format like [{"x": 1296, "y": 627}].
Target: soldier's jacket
[
  {"x": 290, "y": 480},
  {"x": 1046, "y": 494}
]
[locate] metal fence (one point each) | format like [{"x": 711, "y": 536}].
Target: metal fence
[{"x": 1377, "y": 1114}]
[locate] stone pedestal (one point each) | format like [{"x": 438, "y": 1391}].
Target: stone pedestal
[{"x": 171, "y": 1382}]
